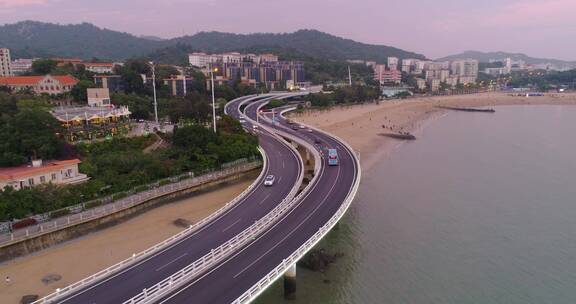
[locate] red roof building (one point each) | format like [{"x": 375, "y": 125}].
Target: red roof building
[
  {"x": 55, "y": 172},
  {"x": 48, "y": 84}
]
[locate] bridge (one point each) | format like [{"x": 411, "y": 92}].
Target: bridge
[{"x": 243, "y": 248}]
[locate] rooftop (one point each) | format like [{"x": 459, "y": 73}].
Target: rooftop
[{"x": 12, "y": 173}]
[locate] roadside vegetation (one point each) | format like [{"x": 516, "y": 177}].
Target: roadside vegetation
[{"x": 120, "y": 165}]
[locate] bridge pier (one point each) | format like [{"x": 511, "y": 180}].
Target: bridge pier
[{"x": 290, "y": 283}]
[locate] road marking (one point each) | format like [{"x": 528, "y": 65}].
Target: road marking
[
  {"x": 267, "y": 196},
  {"x": 174, "y": 260},
  {"x": 236, "y": 222},
  {"x": 296, "y": 228}
]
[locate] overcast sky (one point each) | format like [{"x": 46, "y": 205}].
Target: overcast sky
[{"x": 435, "y": 28}]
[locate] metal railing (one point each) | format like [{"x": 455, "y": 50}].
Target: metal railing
[
  {"x": 116, "y": 206},
  {"x": 68, "y": 290},
  {"x": 279, "y": 270},
  {"x": 176, "y": 280}
]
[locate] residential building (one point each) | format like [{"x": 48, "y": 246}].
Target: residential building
[
  {"x": 62, "y": 172},
  {"x": 203, "y": 60},
  {"x": 421, "y": 84},
  {"x": 47, "y": 84},
  {"x": 176, "y": 85},
  {"x": 99, "y": 67},
  {"x": 67, "y": 61},
  {"x": 22, "y": 66},
  {"x": 465, "y": 68},
  {"x": 114, "y": 83},
  {"x": 98, "y": 97},
  {"x": 386, "y": 76},
  {"x": 5, "y": 63},
  {"x": 267, "y": 58},
  {"x": 467, "y": 79},
  {"x": 232, "y": 57},
  {"x": 392, "y": 63},
  {"x": 434, "y": 84}
]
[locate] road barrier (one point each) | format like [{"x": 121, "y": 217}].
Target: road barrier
[
  {"x": 178, "y": 279},
  {"x": 61, "y": 293},
  {"x": 279, "y": 270}
]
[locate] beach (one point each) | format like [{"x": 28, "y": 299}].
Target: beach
[
  {"x": 80, "y": 258},
  {"x": 362, "y": 125}
]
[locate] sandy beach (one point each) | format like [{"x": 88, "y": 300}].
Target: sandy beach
[
  {"x": 77, "y": 259},
  {"x": 362, "y": 125}
]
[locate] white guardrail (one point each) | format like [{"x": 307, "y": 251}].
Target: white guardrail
[
  {"x": 279, "y": 270},
  {"x": 157, "y": 291},
  {"x": 68, "y": 290},
  {"x": 64, "y": 222}
]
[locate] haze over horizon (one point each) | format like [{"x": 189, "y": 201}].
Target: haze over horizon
[{"x": 537, "y": 28}]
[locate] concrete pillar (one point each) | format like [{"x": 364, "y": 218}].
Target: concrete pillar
[{"x": 290, "y": 283}]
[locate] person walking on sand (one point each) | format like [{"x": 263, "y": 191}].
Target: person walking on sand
[{"x": 8, "y": 280}]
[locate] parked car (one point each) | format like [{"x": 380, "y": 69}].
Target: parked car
[{"x": 269, "y": 180}]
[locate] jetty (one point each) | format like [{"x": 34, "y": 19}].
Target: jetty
[
  {"x": 402, "y": 136},
  {"x": 468, "y": 109}
]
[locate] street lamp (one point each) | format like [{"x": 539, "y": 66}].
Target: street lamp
[
  {"x": 212, "y": 70},
  {"x": 154, "y": 90}
]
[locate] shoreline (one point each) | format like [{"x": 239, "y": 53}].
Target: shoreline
[{"x": 360, "y": 125}]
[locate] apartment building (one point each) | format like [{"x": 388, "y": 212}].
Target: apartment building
[
  {"x": 5, "y": 63},
  {"x": 392, "y": 63},
  {"x": 22, "y": 66},
  {"x": 465, "y": 67},
  {"x": 387, "y": 76}
]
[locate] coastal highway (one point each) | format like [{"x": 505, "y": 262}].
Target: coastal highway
[
  {"x": 242, "y": 270},
  {"x": 282, "y": 161}
]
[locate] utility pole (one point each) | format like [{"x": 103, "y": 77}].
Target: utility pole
[
  {"x": 154, "y": 90},
  {"x": 213, "y": 98},
  {"x": 349, "y": 76}
]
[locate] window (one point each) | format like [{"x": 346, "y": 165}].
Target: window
[
  {"x": 31, "y": 182},
  {"x": 53, "y": 176},
  {"x": 42, "y": 179}
]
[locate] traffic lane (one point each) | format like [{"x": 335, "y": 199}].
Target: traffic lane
[
  {"x": 245, "y": 269},
  {"x": 260, "y": 202}
]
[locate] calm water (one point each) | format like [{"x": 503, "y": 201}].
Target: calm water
[{"x": 480, "y": 209}]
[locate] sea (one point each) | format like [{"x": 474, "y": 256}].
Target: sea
[{"x": 481, "y": 208}]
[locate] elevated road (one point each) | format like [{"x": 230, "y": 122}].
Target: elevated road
[
  {"x": 282, "y": 161},
  {"x": 335, "y": 185}
]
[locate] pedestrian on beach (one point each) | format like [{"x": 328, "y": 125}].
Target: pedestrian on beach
[{"x": 8, "y": 280}]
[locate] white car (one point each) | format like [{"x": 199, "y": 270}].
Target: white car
[
  {"x": 242, "y": 120},
  {"x": 269, "y": 180}
]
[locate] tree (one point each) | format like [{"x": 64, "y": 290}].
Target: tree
[
  {"x": 79, "y": 91},
  {"x": 43, "y": 66}
]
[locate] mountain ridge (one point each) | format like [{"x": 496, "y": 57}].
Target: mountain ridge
[
  {"x": 85, "y": 40},
  {"x": 499, "y": 55}
]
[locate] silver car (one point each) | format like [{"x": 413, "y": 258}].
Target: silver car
[{"x": 269, "y": 180}]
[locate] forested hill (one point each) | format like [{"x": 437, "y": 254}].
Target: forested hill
[{"x": 37, "y": 39}]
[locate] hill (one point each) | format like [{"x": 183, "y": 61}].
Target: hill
[
  {"x": 37, "y": 39},
  {"x": 310, "y": 43},
  {"x": 487, "y": 56}
]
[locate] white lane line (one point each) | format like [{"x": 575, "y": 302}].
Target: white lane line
[
  {"x": 296, "y": 228},
  {"x": 236, "y": 222},
  {"x": 174, "y": 260},
  {"x": 279, "y": 179},
  {"x": 262, "y": 201},
  {"x": 283, "y": 164}
]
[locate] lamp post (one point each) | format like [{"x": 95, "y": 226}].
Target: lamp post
[
  {"x": 212, "y": 70},
  {"x": 154, "y": 90}
]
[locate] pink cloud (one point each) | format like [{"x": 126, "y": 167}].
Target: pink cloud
[{"x": 16, "y": 3}]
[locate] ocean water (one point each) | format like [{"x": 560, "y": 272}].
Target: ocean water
[{"x": 481, "y": 208}]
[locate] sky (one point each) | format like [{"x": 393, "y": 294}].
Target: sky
[{"x": 435, "y": 28}]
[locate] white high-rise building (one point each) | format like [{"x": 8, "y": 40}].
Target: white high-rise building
[
  {"x": 465, "y": 67},
  {"x": 203, "y": 60},
  {"x": 393, "y": 63},
  {"x": 5, "y": 63}
]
